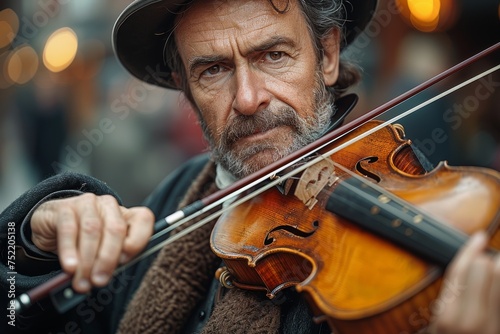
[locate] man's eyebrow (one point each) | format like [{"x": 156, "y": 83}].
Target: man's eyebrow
[
  {"x": 268, "y": 44},
  {"x": 273, "y": 42},
  {"x": 198, "y": 61}
]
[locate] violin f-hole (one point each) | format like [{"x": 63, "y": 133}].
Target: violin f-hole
[
  {"x": 366, "y": 172},
  {"x": 293, "y": 230}
]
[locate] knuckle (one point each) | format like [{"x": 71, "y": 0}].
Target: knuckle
[
  {"x": 40, "y": 218},
  {"x": 65, "y": 225},
  {"x": 66, "y": 213},
  {"x": 48, "y": 211},
  {"x": 91, "y": 226},
  {"x": 108, "y": 200},
  {"x": 145, "y": 214},
  {"x": 87, "y": 197},
  {"x": 116, "y": 227}
]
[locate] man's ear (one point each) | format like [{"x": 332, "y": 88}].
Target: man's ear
[{"x": 331, "y": 57}]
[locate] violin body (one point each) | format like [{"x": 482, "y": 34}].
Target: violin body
[{"x": 357, "y": 281}]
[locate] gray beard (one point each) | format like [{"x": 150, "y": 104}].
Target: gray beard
[{"x": 306, "y": 131}]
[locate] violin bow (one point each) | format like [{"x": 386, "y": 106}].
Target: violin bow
[{"x": 64, "y": 297}]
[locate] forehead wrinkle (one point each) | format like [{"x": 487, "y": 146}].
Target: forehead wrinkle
[
  {"x": 232, "y": 29},
  {"x": 219, "y": 45},
  {"x": 220, "y": 41},
  {"x": 227, "y": 18}
]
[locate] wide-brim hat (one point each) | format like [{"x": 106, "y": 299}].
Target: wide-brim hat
[{"x": 141, "y": 30}]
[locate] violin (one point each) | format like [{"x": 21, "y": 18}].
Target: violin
[{"x": 366, "y": 233}]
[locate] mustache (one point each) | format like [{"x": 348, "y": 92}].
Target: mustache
[{"x": 243, "y": 126}]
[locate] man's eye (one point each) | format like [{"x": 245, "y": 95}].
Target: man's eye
[
  {"x": 212, "y": 70},
  {"x": 275, "y": 55}
]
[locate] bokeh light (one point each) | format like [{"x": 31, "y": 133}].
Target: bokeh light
[
  {"x": 424, "y": 13},
  {"x": 429, "y": 15},
  {"x": 9, "y": 25},
  {"x": 22, "y": 64},
  {"x": 5, "y": 81},
  {"x": 60, "y": 49}
]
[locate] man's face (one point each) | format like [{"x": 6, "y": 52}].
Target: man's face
[{"x": 255, "y": 79}]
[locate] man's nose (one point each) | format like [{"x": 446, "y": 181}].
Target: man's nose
[{"x": 251, "y": 94}]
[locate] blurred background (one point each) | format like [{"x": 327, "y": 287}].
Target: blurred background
[{"x": 66, "y": 104}]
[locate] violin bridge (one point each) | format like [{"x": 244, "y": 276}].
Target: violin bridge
[{"x": 313, "y": 180}]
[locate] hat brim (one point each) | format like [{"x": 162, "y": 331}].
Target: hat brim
[{"x": 141, "y": 30}]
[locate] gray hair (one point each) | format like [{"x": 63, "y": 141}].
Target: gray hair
[{"x": 322, "y": 16}]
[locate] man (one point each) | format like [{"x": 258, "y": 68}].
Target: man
[{"x": 256, "y": 71}]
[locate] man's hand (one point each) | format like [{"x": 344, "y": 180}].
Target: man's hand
[
  {"x": 91, "y": 235},
  {"x": 474, "y": 307}
]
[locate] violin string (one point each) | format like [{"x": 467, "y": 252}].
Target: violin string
[
  {"x": 357, "y": 138},
  {"x": 182, "y": 216},
  {"x": 274, "y": 181},
  {"x": 431, "y": 221},
  {"x": 336, "y": 149},
  {"x": 412, "y": 110},
  {"x": 228, "y": 198},
  {"x": 192, "y": 211},
  {"x": 247, "y": 183},
  {"x": 290, "y": 174}
]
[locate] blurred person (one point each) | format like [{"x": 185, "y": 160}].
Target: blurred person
[
  {"x": 263, "y": 77},
  {"x": 43, "y": 124}
]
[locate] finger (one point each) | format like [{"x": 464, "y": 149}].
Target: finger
[
  {"x": 473, "y": 301},
  {"x": 44, "y": 228},
  {"x": 456, "y": 282},
  {"x": 67, "y": 232},
  {"x": 472, "y": 248},
  {"x": 114, "y": 232},
  {"x": 494, "y": 296},
  {"x": 141, "y": 221},
  {"x": 90, "y": 226}
]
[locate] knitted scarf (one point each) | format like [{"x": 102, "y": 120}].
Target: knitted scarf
[{"x": 180, "y": 277}]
